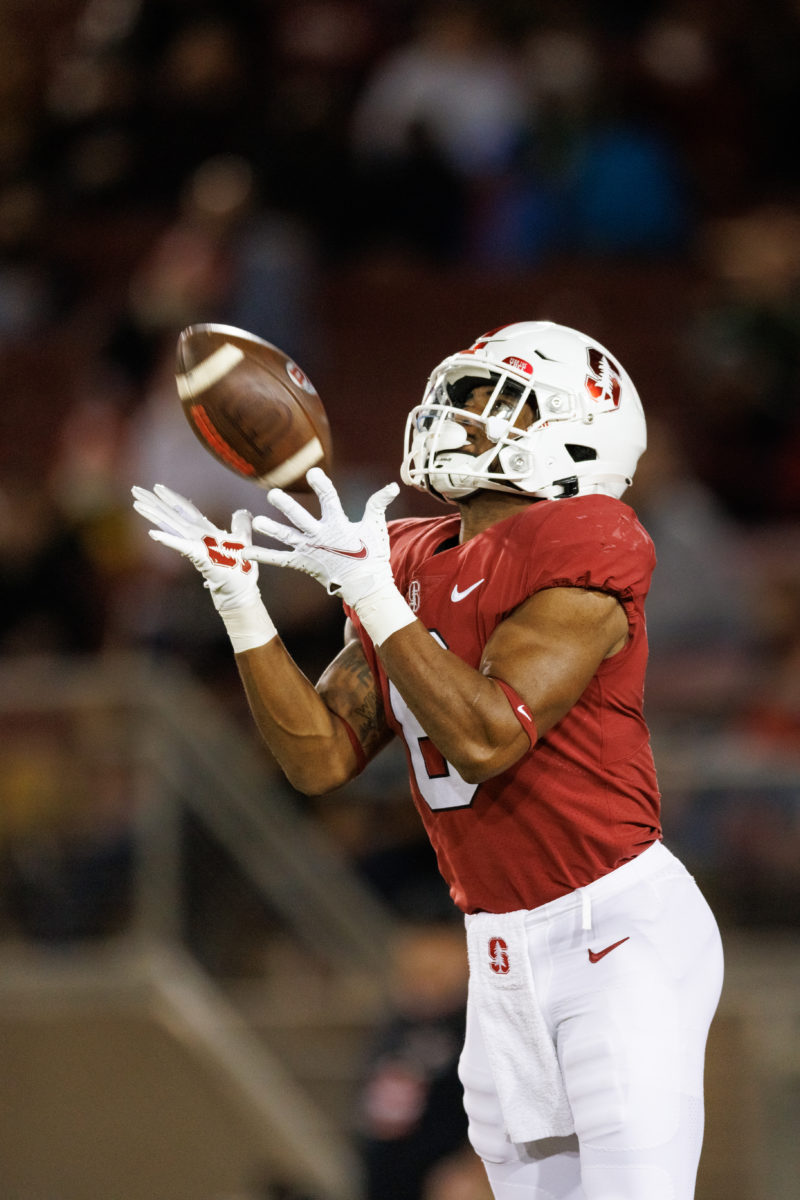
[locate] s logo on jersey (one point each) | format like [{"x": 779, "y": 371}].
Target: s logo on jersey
[{"x": 498, "y": 956}]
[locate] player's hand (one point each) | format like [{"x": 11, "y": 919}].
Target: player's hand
[
  {"x": 349, "y": 558},
  {"x": 217, "y": 553}
]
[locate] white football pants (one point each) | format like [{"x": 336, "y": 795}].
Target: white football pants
[{"x": 630, "y": 1028}]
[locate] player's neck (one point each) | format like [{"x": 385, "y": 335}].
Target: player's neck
[{"x": 483, "y": 509}]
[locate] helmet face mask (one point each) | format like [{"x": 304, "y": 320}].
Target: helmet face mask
[{"x": 582, "y": 431}]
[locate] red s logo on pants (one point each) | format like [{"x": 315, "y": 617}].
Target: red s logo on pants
[{"x": 498, "y": 956}]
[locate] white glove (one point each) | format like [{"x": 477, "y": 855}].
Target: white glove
[
  {"x": 217, "y": 554},
  {"x": 349, "y": 558}
]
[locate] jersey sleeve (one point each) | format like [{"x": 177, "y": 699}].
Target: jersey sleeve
[{"x": 593, "y": 542}]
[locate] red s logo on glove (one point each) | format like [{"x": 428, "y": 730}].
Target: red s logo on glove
[{"x": 226, "y": 560}]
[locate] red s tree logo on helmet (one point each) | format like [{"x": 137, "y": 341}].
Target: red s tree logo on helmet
[
  {"x": 498, "y": 956},
  {"x": 602, "y": 382}
]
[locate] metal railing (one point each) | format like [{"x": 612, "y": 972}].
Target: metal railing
[{"x": 183, "y": 755}]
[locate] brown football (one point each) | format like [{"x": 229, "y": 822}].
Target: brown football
[{"x": 251, "y": 406}]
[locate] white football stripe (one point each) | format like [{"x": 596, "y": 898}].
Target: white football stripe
[
  {"x": 295, "y": 467},
  {"x": 205, "y": 374}
]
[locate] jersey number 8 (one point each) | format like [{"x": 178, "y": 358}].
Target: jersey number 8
[{"x": 438, "y": 781}]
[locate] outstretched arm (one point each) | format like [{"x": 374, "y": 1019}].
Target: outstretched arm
[{"x": 321, "y": 737}]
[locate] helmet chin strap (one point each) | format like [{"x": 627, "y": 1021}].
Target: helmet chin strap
[{"x": 456, "y": 477}]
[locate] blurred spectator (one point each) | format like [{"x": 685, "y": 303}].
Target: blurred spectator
[
  {"x": 453, "y": 79},
  {"x": 65, "y": 845},
  {"x": 771, "y": 711},
  {"x": 700, "y": 597},
  {"x": 321, "y": 52},
  {"x": 767, "y": 52},
  {"x": 592, "y": 172},
  {"x": 700, "y": 605},
  {"x": 626, "y": 190},
  {"x": 94, "y": 158},
  {"x": 228, "y": 257},
  {"x": 28, "y": 286},
  {"x": 411, "y": 1113},
  {"x": 623, "y": 176},
  {"x": 687, "y": 64},
  {"x": 744, "y": 358},
  {"x": 439, "y": 116},
  {"x": 524, "y": 217},
  {"x": 51, "y": 592},
  {"x": 87, "y": 473},
  {"x": 200, "y": 70},
  {"x": 185, "y": 275}
]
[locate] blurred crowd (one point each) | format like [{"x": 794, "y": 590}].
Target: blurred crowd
[{"x": 164, "y": 162}]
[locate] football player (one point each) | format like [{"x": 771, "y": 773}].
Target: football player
[{"x": 505, "y": 644}]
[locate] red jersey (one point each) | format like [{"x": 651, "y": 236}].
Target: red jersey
[{"x": 585, "y": 798}]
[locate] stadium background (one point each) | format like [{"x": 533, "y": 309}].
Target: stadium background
[{"x": 201, "y": 1002}]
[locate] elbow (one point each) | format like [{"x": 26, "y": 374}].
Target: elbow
[
  {"x": 475, "y": 773},
  {"x": 478, "y": 768},
  {"x": 317, "y": 765},
  {"x": 484, "y": 762},
  {"x": 304, "y": 784},
  {"x": 315, "y": 783},
  {"x": 318, "y": 774},
  {"x": 478, "y": 773}
]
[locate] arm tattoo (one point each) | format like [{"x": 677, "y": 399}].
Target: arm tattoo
[{"x": 350, "y": 689}]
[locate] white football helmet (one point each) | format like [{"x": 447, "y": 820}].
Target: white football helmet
[{"x": 588, "y": 428}]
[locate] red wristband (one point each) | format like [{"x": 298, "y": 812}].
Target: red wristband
[
  {"x": 356, "y": 744},
  {"x": 521, "y": 710}
]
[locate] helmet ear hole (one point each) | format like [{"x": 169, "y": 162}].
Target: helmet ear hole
[{"x": 580, "y": 453}]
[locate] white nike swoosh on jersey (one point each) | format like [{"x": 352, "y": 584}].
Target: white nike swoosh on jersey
[{"x": 457, "y": 595}]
